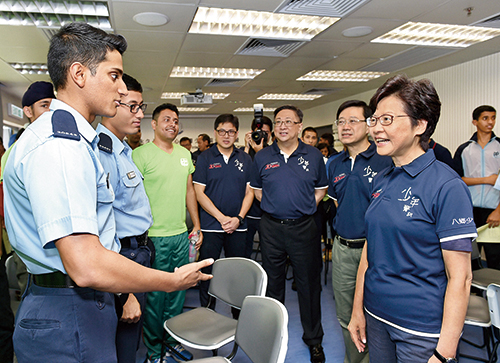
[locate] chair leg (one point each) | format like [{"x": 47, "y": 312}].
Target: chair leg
[
  {"x": 487, "y": 337},
  {"x": 493, "y": 357},
  {"x": 233, "y": 352}
]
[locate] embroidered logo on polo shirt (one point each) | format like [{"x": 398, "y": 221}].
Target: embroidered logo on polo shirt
[
  {"x": 184, "y": 162},
  {"x": 215, "y": 166},
  {"x": 304, "y": 163},
  {"x": 273, "y": 165},
  {"x": 369, "y": 173},
  {"x": 462, "y": 220},
  {"x": 409, "y": 200},
  {"x": 339, "y": 178},
  {"x": 239, "y": 165},
  {"x": 376, "y": 194}
]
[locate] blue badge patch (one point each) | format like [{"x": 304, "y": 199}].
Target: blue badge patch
[
  {"x": 64, "y": 125},
  {"x": 105, "y": 143}
]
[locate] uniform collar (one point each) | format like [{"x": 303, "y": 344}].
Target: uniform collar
[
  {"x": 216, "y": 151},
  {"x": 474, "y": 136},
  {"x": 118, "y": 145},
  {"x": 418, "y": 165},
  {"x": 84, "y": 127},
  {"x": 301, "y": 149},
  {"x": 367, "y": 154}
]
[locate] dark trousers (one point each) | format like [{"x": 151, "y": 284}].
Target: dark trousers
[
  {"x": 129, "y": 335},
  {"x": 491, "y": 250},
  {"x": 299, "y": 242},
  {"x": 252, "y": 227},
  {"x": 213, "y": 242},
  {"x": 6, "y": 318}
]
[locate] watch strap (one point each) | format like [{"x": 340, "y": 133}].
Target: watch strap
[
  {"x": 443, "y": 359},
  {"x": 240, "y": 219}
]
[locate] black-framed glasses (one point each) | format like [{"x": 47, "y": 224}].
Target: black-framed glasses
[
  {"x": 287, "y": 123},
  {"x": 223, "y": 132},
  {"x": 350, "y": 121},
  {"x": 136, "y": 107},
  {"x": 385, "y": 120}
]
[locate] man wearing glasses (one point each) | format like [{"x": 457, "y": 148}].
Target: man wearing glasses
[
  {"x": 167, "y": 170},
  {"x": 131, "y": 208},
  {"x": 289, "y": 178},
  {"x": 221, "y": 182},
  {"x": 350, "y": 175}
]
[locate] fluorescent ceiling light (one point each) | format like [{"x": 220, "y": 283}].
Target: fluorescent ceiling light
[
  {"x": 250, "y": 109},
  {"x": 288, "y": 96},
  {"x": 214, "y": 72},
  {"x": 441, "y": 35},
  {"x": 258, "y": 24},
  {"x": 30, "y": 68},
  {"x": 54, "y": 14},
  {"x": 340, "y": 76},
  {"x": 192, "y": 109},
  {"x": 178, "y": 95}
]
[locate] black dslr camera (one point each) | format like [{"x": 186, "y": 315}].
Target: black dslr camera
[{"x": 258, "y": 135}]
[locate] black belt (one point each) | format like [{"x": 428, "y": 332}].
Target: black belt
[
  {"x": 142, "y": 240},
  {"x": 54, "y": 279},
  {"x": 352, "y": 243},
  {"x": 290, "y": 222}
]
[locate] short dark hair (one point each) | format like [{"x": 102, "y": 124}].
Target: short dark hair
[
  {"x": 185, "y": 138},
  {"x": 265, "y": 121},
  {"x": 328, "y": 137},
  {"x": 309, "y": 128},
  {"x": 479, "y": 110},
  {"x": 322, "y": 145},
  {"x": 164, "y": 106},
  {"x": 79, "y": 42},
  {"x": 297, "y": 111},
  {"x": 367, "y": 111},
  {"x": 205, "y": 137},
  {"x": 131, "y": 83},
  {"x": 227, "y": 117},
  {"x": 420, "y": 102}
]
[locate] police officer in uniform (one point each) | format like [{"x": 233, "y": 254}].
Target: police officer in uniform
[{"x": 59, "y": 210}]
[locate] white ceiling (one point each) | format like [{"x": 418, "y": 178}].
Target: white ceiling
[{"x": 154, "y": 51}]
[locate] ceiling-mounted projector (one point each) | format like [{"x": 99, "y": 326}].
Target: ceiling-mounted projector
[{"x": 196, "y": 98}]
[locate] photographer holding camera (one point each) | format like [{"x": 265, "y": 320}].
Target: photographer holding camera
[{"x": 260, "y": 136}]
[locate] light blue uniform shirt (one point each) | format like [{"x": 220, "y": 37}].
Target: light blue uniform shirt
[
  {"x": 132, "y": 211},
  {"x": 55, "y": 187}
]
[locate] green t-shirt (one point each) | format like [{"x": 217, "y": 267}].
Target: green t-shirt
[
  {"x": 165, "y": 181},
  {"x": 5, "y": 156}
]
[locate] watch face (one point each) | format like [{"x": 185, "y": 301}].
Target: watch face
[{"x": 451, "y": 360}]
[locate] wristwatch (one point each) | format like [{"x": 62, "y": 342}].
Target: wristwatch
[
  {"x": 240, "y": 219},
  {"x": 443, "y": 359}
]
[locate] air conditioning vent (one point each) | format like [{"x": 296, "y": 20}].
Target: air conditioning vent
[
  {"x": 492, "y": 22},
  {"x": 330, "y": 8},
  {"x": 269, "y": 47},
  {"x": 218, "y": 82}
]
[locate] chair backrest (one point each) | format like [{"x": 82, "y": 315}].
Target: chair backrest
[
  {"x": 493, "y": 295},
  {"x": 262, "y": 330},
  {"x": 235, "y": 278},
  {"x": 10, "y": 269}
]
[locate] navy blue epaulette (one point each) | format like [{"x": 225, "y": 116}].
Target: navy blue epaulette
[
  {"x": 64, "y": 125},
  {"x": 105, "y": 143}
]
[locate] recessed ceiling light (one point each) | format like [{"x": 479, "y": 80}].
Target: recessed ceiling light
[
  {"x": 193, "y": 109},
  {"x": 214, "y": 72},
  {"x": 357, "y": 31},
  {"x": 178, "y": 95},
  {"x": 30, "y": 68},
  {"x": 288, "y": 97},
  {"x": 151, "y": 19},
  {"x": 250, "y": 109},
  {"x": 258, "y": 24},
  {"x": 442, "y": 35},
  {"x": 340, "y": 76},
  {"x": 54, "y": 14}
]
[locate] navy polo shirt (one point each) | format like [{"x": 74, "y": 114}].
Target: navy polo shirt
[
  {"x": 416, "y": 210},
  {"x": 225, "y": 184},
  {"x": 352, "y": 188},
  {"x": 288, "y": 187}
]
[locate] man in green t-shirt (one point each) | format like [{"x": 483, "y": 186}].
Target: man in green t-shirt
[{"x": 167, "y": 170}]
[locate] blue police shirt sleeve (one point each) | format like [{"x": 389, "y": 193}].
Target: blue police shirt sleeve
[
  {"x": 63, "y": 203},
  {"x": 200, "y": 173},
  {"x": 454, "y": 218}
]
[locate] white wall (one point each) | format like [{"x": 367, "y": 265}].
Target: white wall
[{"x": 461, "y": 89}]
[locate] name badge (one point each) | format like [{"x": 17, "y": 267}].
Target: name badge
[{"x": 131, "y": 175}]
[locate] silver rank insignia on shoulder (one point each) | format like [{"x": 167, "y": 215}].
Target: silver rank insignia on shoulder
[{"x": 131, "y": 174}]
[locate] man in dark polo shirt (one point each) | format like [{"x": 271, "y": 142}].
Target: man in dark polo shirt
[
  {"x": 221, "y": 182},
  {"x": 289, "y": 178},
  {"x": 350, "y": 175}
]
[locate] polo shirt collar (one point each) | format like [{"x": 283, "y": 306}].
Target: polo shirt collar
[
  {"x": 118, "y": 145},
  {"x": 216, "y": 152},
  {"x": 84, "y": 127},
  {"x": 416, "y": 166},
  {"x": 367, "y": 154},
  {"x": 301, "y": 149},
  {"x": 474, "y": 136}
]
